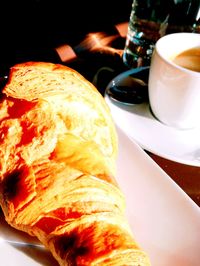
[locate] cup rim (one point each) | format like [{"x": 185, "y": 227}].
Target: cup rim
[{"x": 169, "y": 62}]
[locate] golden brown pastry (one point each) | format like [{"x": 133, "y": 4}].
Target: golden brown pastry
[{"x": 58, "y": 148}]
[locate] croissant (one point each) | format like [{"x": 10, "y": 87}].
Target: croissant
[{"x": 58, "y": 149}]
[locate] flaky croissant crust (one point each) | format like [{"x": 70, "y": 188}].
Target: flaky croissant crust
[{"x": 57, "y": 167}]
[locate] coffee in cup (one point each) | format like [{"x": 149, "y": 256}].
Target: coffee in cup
[{"x": 189, "y": 59}]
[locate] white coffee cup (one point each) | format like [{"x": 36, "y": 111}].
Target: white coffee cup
[{"x": 174, "y": 91}]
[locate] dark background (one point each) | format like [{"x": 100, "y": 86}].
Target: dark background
[{"x": 30, "y": 30}]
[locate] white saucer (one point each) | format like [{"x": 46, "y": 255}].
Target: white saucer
[{"x": 139, "y": 124}]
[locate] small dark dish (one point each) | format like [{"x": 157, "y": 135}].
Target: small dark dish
[{"x": 130, "y": 87}]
